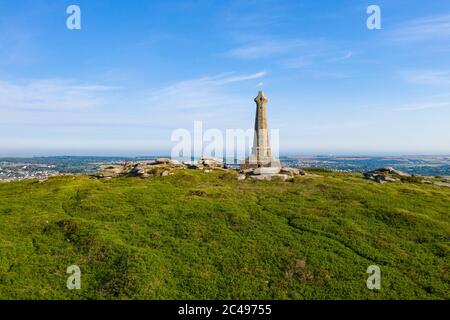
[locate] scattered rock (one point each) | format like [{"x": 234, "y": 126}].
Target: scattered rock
[
  {"x": 165, "y": 173},
  {"x": 175, "y": 162},
  {"x": 212, "y": 162},
  {"x": 447, "y": 178},
  {"x": 241, "y": 177},
  {"x": 390, "y": 179},
  {"x": 387, "y": 174},
  {"x": 137, "y": 169},
  {"x": 111, "y": 171},
  {"x": 292, "y": 171},
  {"x": 266, "y": 171},
  {"x": 247, "y": 171},
  {"x": 163, "y": 161},
  {"x": 260, "y": 177},
  {"x": 397, "y": 172},
  {"x": 283, "y": 177},
  {"x": 441, "y": 184},
  {"x": 269, "y": 177}
]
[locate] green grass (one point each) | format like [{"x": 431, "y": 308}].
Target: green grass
[{"x": 201, "y": 235}]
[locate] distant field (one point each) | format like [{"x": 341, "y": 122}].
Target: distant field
[{"x": 200, "y": 235}]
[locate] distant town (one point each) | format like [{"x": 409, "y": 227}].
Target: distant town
[{"x": 14, "y": 169}]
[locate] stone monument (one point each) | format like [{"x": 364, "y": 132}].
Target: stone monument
[{"x": 261, "y": 158}]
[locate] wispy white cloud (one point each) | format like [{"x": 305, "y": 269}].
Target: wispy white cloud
[
  {"x": 427, "y": 77},
  {"x": 255, "y": 16},
  {"x": 424, "y": 106},
  {"x": 426, "y": 28},
  {"x": 262, "y": 48},
  {"x": 296, "y": 62},
  {"x": 205, "y": 92},
  {"x": 291, "y": 53},
  {"x": 230, "y": 78},
  {"x": 347, "y": 56},
  {"x": 342, "y": 125},
  {"x": 73, "y": 106},
  {"x": 47, "y": 94}
]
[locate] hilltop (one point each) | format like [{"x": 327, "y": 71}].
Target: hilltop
[{"x": 207, "y": 235}]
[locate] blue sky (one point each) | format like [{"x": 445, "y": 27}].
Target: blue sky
[{"x": 137, "y": 70}]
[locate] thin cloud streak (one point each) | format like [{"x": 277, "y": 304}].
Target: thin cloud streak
[
  {"x": 428, "y": 77},
  {"x": 48, "y": 94},
  {"x": 425, "y": 106},
  {"x": 343, "y": 125},
  {"x": 266, "y": 48},
  {"x": 292, "y": 53},
  {"x": 426, "y": 28},
  {"x": 58, "y": 104},
  {"x": 201, "y": 93}
]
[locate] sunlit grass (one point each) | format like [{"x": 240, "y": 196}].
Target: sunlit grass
[{"x": 207, "y": 235}]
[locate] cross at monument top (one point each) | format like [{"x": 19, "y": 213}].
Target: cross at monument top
[{"x": 261, "y": 98}]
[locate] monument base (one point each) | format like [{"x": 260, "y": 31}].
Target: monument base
[{"x": 268, "y": 164}]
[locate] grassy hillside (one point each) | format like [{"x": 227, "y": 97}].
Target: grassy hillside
[{"x": 207, "y": 235}]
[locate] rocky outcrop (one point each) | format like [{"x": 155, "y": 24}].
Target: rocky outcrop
[
  {"x": 386, "y": 174},
  {"x": 389, "y": 174},
  {"x": 144, "y": 169},
  {"x": 205, "y": 163},
  {"x": 109, "y": 171},
  {"x": 167, "y": 161},
  {"x": 159, "y": 167},
  {"x": 211, "y": 163}
]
